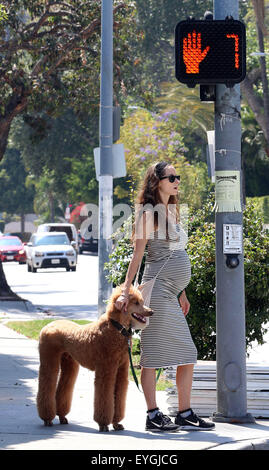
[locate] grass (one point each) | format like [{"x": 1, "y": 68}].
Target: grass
[
  {"x": 162, "y": 383},
  {"x": 31, "y": 329}
]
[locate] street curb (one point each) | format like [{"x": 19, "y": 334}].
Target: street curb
[
  {"x": 253, "y": 444},
  {"x": 21, "y": 305}
]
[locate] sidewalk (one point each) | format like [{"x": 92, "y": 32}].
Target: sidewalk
[{"x": 22, "y": 429}]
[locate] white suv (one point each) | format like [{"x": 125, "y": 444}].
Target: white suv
[
  {"x": 50, "y": 250},
  {"x": 69, "y": 229}
]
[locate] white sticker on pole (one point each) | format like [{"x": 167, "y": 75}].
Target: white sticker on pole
[
  {"x": 227, "y": 190},
  {"x": 232, "y": 238}
]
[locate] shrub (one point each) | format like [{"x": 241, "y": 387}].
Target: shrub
[{"x": 201, "y": 290}]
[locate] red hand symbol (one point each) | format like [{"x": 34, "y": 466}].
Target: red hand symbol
[{"x": 192, "y": 52}]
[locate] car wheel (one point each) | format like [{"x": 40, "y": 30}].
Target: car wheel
[
  {"x": 28, "y": 268},
  {"x": 67, "y": 269},
  {"x": 34, "y": 269},
  {"x": 74, "y": 268}
]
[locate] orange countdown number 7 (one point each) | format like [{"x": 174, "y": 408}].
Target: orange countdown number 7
[{"x": 236, "y": 48}]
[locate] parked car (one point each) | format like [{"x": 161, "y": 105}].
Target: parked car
[
  {"x": 50, "y": 250},
  {"x": 87, "y": 244},
  {"x": 69, "y": 229},
  {"x": 12, "y": 249}
]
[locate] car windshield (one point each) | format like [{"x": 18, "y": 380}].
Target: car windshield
[
  {"x": 10, "y": 242},
  {"x": 51, "y": 240}
]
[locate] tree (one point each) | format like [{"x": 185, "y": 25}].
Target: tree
[
  {"x": 158, "y": 21},
  {"x": 48, "y": 197},
  {"x": 63, "y": 146},
  {"x": 50, "y": 53},
  {"x": 254, "y": 160},
  {"x": 255, "y": 86},
  {"x": 149, "y": 137},
  {"x": 15, "y": 196},
  {"x": 50, "y": 56}
]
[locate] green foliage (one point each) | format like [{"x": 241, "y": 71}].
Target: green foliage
[
  {"x": 15, "y": 195},
  {"x": 254, "y": 158},
  {"x": 201, "y": 289},
  {"x": 61, "y": 146},
  {"x": 261, "y": 205},
  {"x": 256, "y": 248},
  {"x": 3, "y": 13},
  {"x": 52, "y": 50},
  {"x": 47, "y": 197},
  {"x": 157, "y": 21},
  {"x": 191, "y": 109},
  {"x": 149, "y": 137},
  {"x": 50, "y": 61},
  {"x": 255, "y": 88},
  {"x": 195, "y": 117},
  {"x": 50, "y": 74},
  {"x": 121, "y": 254}
]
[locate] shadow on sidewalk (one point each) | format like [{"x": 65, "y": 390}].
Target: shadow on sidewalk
[{"x": 20, "y": 423}]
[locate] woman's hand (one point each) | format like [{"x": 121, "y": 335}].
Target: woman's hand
[
  {"x": 122, "y": 302},
  {"x": 184, "y": 303}
]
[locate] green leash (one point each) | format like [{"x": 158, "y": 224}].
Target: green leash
[{"x": 133, "y": 371}]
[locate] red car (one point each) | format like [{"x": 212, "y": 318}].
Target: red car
[{"x": 12, "y": 249}]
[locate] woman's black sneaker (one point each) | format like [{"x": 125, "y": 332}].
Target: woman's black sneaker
[
  {"x": 161, "y": 422},
  {"x": 192, "y": 422}
]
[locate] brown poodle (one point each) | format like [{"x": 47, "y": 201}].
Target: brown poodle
[{"x": 101, "y": 346}]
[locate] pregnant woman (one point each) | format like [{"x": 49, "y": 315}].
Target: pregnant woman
[{"x": 166, "y": 341}]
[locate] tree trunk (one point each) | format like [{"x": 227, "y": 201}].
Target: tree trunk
[
  {"x": 254, "y": 102},
  {"x": 22, "y": 222},
  {"x": 16, "y": 105},
  {"x": 52, "y": 210},
  {"x": 258, "y": 107},
  {"x": 5, "y": 292}
]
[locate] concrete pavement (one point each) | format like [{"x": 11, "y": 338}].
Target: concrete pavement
[{"x": 22, "y": 429}]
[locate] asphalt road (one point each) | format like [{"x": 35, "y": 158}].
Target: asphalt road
[{"x": 56, "y": 291}]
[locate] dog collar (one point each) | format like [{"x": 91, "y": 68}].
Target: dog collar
[{"x": 121, "y": 328}]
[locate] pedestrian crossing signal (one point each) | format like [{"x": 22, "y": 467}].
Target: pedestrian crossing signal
[{"x": 210, "y": 51}]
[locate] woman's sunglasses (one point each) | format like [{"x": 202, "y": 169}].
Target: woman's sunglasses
[{"x": 171, "y": 178}]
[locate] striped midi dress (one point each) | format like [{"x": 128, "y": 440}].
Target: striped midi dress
[{"x": 167, "y": 340}]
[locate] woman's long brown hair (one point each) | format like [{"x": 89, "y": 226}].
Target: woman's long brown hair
[{"x": 149, "y": 194}]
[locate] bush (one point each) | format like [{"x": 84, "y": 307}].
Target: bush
[{"x": 201, "y": 290}]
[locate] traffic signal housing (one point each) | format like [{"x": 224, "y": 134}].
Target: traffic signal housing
[{"x": 210, "y": 51}]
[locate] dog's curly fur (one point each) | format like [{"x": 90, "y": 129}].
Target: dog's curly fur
[{"x": 98, "y": 346}]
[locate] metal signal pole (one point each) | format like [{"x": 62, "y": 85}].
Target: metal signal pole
[
  {"x": 106, "y": 140},
  {"x": 230, "y": 295}
]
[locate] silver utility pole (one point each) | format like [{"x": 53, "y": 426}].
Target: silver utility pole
[
  {"x": 106, "y": 138},
  {"x": 230, "y": 296}
]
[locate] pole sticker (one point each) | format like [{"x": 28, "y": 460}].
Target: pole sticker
[{"x": 227, "y": 191}]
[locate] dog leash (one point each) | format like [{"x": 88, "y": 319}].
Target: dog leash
[
  {"x": 133, "y": 370},
  {"x": 128, "y": 333}
]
